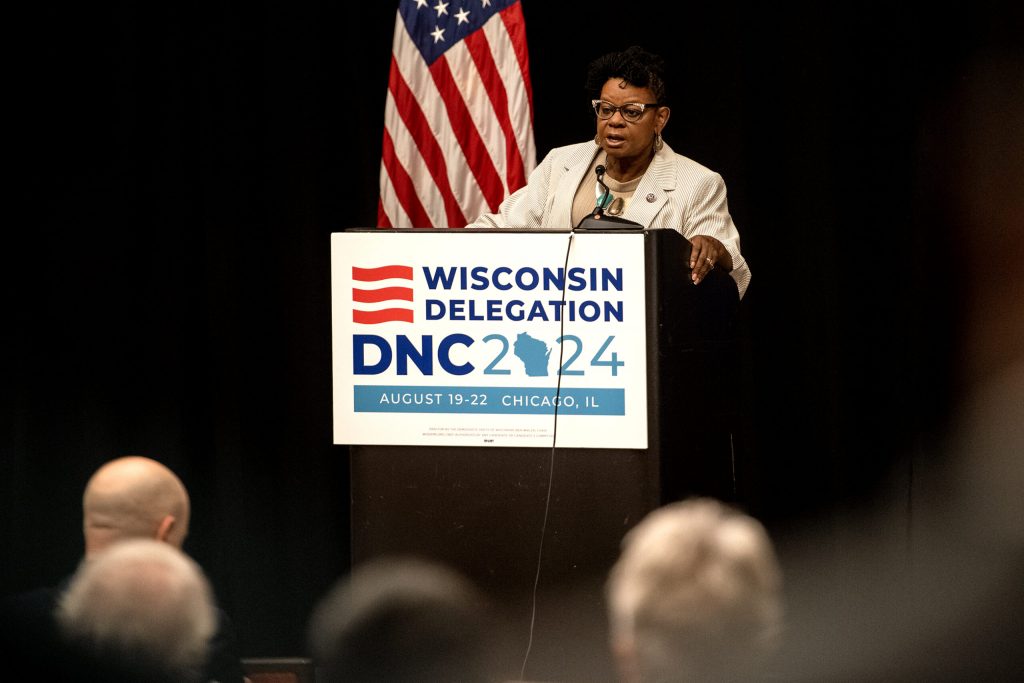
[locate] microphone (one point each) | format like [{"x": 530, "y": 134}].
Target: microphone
[
  {"x": 597, "y": 220},
  {"x": 599, "y": 209}
]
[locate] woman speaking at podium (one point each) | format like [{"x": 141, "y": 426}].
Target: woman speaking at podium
[{"x": 628, "y": 171}]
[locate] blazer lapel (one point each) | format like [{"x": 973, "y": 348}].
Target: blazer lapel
[
  {"x": 574, "y": 167},
  {"x": 651, "y": 194}
]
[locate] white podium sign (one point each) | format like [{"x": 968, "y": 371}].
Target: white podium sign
[{"x": 489, "y": 338}]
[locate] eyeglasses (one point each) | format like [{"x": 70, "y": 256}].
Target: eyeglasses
[{"x": 631, "y": 111}]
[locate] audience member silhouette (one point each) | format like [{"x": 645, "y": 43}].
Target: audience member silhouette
[
  {"x": 141, "y": 608},
  {"x": 134, "y": 497},
  {"x": 131, "y": 497},
  {"x": 402, "y": 620},
  {"x": 694, "y": 596}
]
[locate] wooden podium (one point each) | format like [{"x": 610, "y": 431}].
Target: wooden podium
[{"x": 509, "y": 517}]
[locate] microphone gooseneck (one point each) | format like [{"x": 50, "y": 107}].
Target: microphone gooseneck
[{"x": 599, "y": 171}]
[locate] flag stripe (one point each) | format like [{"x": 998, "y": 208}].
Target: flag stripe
[
  {"x": 381, "y": 273},
  {"x": 416, "y": 123},
  {"x": 389, "y": 203},
  {"x": 375, "y": 296},
  {"x": 472, "y": 89},
  {"x": 408, "y": 156},
  {"x": 480, "y": 51},
  {"x": 386, "y": 315},
  {"x": 403, "y": 185},
  {"x": 516, "y": 76},
  {"x": 480, "y": 164},
  {"x": 382, "y": 216},
  {"x": 515, "y": 24}
]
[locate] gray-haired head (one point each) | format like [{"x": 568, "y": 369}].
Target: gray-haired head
[
  {"x": 144, "y": 602},
  {"x": 695, "y": 594}
]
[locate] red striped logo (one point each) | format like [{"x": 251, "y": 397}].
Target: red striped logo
[{"x": 375, "y": 286}]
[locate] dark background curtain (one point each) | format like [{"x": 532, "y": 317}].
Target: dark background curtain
[{"x": 179, "y": 168}]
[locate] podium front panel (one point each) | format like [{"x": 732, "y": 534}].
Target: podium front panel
[{"x": 480, "y": 507}]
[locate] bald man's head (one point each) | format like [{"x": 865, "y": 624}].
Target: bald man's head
[{"x": 134, "y": 497}]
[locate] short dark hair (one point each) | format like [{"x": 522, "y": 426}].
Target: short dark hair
[{"x": 634, "y": 65}]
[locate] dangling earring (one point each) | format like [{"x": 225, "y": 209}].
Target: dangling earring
[
  {"x": 597, "y": 139},
  {"x": 658, "y": 142}
]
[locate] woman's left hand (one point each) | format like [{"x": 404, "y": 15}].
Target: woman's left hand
[{"x": 705, "y": 253}]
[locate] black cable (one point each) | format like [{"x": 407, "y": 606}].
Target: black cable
[{"x": 551, "y": 462}]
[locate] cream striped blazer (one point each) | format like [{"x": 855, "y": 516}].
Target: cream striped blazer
[{"x": 675, "y": 193}]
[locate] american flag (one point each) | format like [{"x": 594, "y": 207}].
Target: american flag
[{"x": 458, "y": 121}]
